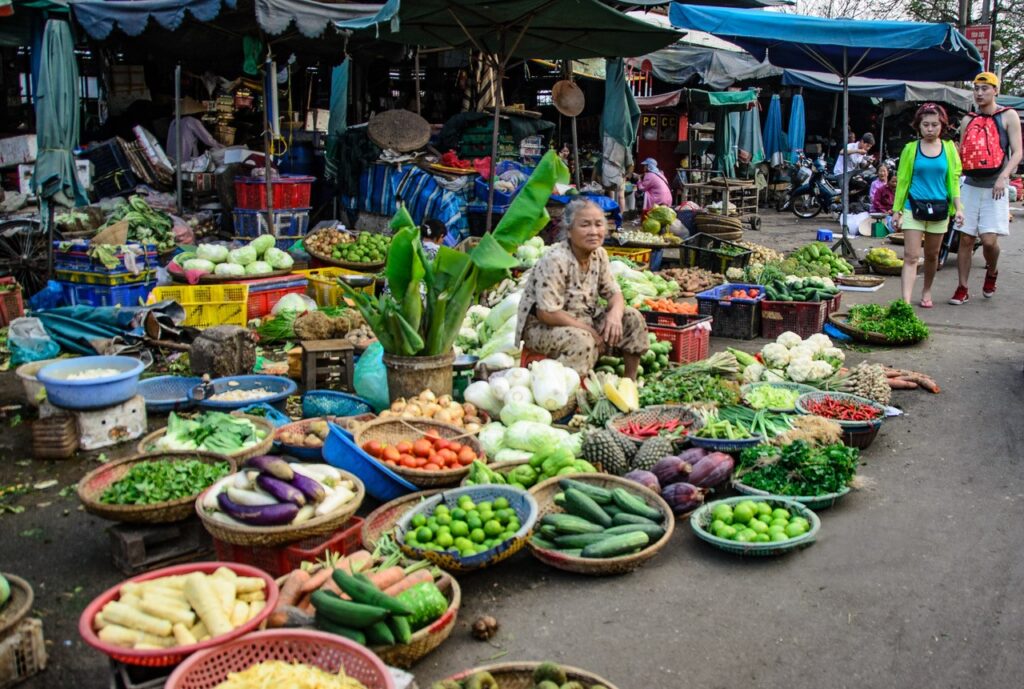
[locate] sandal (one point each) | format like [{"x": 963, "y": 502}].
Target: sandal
[{"x": 927, "y": 304}]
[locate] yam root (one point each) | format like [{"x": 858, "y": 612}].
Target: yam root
[
  {"x": 902, "y": 384},
  {"x": 920, "y": 379}
]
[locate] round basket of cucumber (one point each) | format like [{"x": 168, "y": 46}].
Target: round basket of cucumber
[{"x": 599, "y": 524}]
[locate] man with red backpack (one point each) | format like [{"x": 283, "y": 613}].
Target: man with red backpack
[{"x": 990, "y": 149}]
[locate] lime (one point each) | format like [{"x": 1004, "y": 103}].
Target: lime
[
  {"x": 474, "y": 522},
  {"x": 486, "y": 515},
  {"x": 743, "y": 513},
  {"x": 463, "y": 543},
  {"x": 764, "y": 508},
  {"x": 795, "y": 529},
  {"x": 505, "y": 515},
  {"x": 507, "y": 535},
  {"x": 777, "y": 536},
  {"x": 419, "y": 520},
  {"x": 758, "y": 526},
  {"x": 749, "y": 503},
  {"x": 444, "y": 519},
  {"x": 466, "y": 502},
  {"x": 445, "y": 540},
  {"x": 444, "y": 528},
  {"x": 432, "y": 523},
  {"x": 501, "y": 503},
  {"x": 492, "y": 527},
  {"x": 727, "y": 532},
  {"x": 722, "y": 513},
  {"x": 779, "y": 513},
  {"x": 762, "y": 538},
  {"x": 513, "y": 525},
  {"x": 467, "y": 552},
  {"x": 460, "y": 528},
  {"x": 441, "y": 509},
  {"x": 745, "y": 536},
  {"x": 424, "y": 534},
  {"x": 477, "y": 535},
  {"x": 486, "y": 505},
  {"x": 716, "y": 526},
  {"x": 458, "y": 514},
  {"x": 782, "y": 523}
]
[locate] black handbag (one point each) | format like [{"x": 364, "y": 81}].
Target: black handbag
[{"x": 929, "y": 211}]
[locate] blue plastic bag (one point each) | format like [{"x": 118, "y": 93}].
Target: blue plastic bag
[
  {"x": 50, "y": 297},
  {"x": 29, "y": 341},
  {"x": 371, "y": 378}
]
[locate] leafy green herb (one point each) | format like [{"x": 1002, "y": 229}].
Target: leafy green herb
[
  {"x": 694, "y": 387},
  {"x": 897, "y": 322},
  {"x": 162, "y": 480},
  {"x": 798, "y": 468}
]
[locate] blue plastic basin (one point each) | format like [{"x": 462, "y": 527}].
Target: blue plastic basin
[
  {"x": 383, "y": 484},
  {"x": 279, "y": 386},
  {"x": 164, "y": 394},
  {"x": 91, "y": 393}
]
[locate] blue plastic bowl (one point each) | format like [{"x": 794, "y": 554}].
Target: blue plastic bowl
[
  {"x": 383, "y": 484},
  {"x": 280, "y": 387},
  {"x": 264, "y": 410},
  {"x": 331, "y": 403},
  {"x": 91, "y": 393},
  {"x": 164, "y": 394}
]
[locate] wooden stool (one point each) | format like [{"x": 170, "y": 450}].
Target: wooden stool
[
  {"x": 328, "y": 364},
  {"x": 136, "y": 548}
]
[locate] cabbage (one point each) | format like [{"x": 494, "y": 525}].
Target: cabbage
[
  {"x": 506, "y": 310},
  {"x": 243, "y": 256},
  {"x": 200, "y": 264},
  {"x": 512, "y": 413},
  {"x": 258, "y": 268},
  {"x": 480, "y": 395},
  {"x": 651, "y": 226},
  {"x": 492, "y": 438},
  {"x": 293, "y": 302},
  {"x": 262, "y": 243},
  {"x": 229, "y": 270},
  {"x": 533, "y": 436},
  {"x": 507, "y": 454},
  {"x": 280, "y": 260},
  {"x": 214, "y": 253}
]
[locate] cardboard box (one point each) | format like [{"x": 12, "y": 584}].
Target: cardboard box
[
  {"x": 316, "y": 120},
  {"x": 25, "y": 172},
  {"x": 17, "y": 150}
]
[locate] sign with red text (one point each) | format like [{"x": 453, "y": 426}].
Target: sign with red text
[{"x": 981, "y": 36}]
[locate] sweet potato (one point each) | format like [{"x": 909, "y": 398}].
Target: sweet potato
[
  {"x": 902, "y": 384},
  {"x": 292, "y": 588}
]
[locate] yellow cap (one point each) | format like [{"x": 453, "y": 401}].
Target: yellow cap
[{"x": 987, "y": 78}]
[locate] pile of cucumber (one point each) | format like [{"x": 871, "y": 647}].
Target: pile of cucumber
[
  {"x": 655, "y": 359},
  {"x": 599, "y": 523}
]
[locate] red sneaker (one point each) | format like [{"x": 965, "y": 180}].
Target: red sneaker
[
  {"x": 960, "y": 296},
  {"x": 989, "y": 288}
]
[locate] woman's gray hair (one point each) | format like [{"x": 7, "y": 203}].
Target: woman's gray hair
[{"x": 569, "y": 215}]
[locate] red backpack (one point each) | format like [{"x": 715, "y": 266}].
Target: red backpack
[{"x": 982, "y": 151}]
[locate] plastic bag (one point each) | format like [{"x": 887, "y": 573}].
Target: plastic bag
[
  {"x": 371, "y": 378},
  {"x": 28, "y": 341},
  {"x": 50, "y": 297}
]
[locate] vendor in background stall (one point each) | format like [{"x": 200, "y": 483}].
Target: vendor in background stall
[
  {"x": 657, "y": 191},
  {"x": 559, "y": 315},
  {"x": 193, "y": 133}
]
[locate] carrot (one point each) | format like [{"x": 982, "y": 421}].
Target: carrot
[
  {"x": 356, "y": 562},
  {"x": 292, "y": 588},
  {"x": 332, "y": 586},
  {"x": 317, "y": 580},
  {"x": 387, "y": 577},
  {"x": 417, "y": 577},
  {"x": 305, "y": 603}
]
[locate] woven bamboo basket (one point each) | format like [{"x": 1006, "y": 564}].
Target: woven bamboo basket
[
  {"x": 799, "y": 387},
  {"x": 393, "y": 431},
  {"x": 860, "y": 280},
  {"x": 657, "y": 412},
  {"x": 520, "y": 675},
  {"x": 813, "y": 502},
  {"x": 889, "y": 270},
  {"x": 146, "y": 445},
  {"x": 266, "y": 536},
  {"x": 817, "y": 396},
  {"x": 331, "y": 261},
  {"x": 430, "y": 637},
  {"x": 842, "y": 323},
  {"x": 700, "y": 520},
  {"x": 93, "y": 485},
  {"x": 545, "y": 495},
  {"x": 381, "y": 522},
  {"x": 18, "y": 605}
]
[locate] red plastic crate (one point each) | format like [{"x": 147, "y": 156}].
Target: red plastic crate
[
  {"x": 11, "y": 304},
  {"x": 283, "y": 559},
  {"x": 289, "y": 192},
  {"x": 690, "y": 342},
  {"x": 833, "y": 304},
  {"x": 265, "y": 293},
  {"x": 805, "y": 318}
]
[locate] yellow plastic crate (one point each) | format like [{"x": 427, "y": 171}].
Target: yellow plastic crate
[
  {"x": 208, "y": 305},
  {"x": 634, "y": 255},
  {"x": 323, "y": 285}
]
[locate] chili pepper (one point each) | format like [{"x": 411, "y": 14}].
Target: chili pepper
[{"x": 843, "y": 410}]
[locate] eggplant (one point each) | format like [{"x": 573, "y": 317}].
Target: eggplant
[
  {"x": 275, "y": 466},
  {"x": 693, "y": 454},
  {"x": 285, "y": 492},
  {"x": 311, "y": 488},
  {"x": 645, "y": 479},
  {"x": 683, "y": 497},
  {"x": 263, "y": 515},
  {"x": 671, "y": 469},
  {"x": 712, "y": 470}
]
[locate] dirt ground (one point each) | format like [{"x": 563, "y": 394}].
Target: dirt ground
[{"x": 914, "y": 581}]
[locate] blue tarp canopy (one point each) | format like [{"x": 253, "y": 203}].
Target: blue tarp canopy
[
  {"x": 880, "y": 49},
  {"x": 885, "y": 89}
]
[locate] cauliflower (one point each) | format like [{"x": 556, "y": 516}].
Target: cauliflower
[
  {"x": 753, "y": 373},
  {"x": 788, "y": 339},
  {"x": 734, "y": 274},
  {"x": 802, "y": 352},
  {"x": 819, "y": 370},
  {"x": 819, "y": 341},
  {"x": 833, "y": 355},
  {"x": 774, "y": 376},
  {"x": 775, "y": 355},
  {"x": 799, "y": 371}
]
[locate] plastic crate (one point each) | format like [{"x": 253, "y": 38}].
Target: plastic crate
[
  {"x": 834, "y": 304},
  {"x": 77, "y": 294},
  {"x": 736, "y": 318},
  {"x": 476, "y": 216},
  {"x": 290, "y": 192},
  {"x": 112, "y": 173},
  {"x": 702, "y": 251},
  {"x": 76, "y": 258},
  {"x": 87, "y": 278},
  {"x": 250, "y": 224},
  {"x": 323, "y": 285},
  {"x": 22, "y": 652},
  {"x": 11, "y": 303},
  {"x": 639, "y": 256},
  {"x": 690, "y": 335},
  {"x": 804, "y": 318},
  {"x": 265, "y": 293},
  {"x": 280, "y": 560},
  {"x": 208, "y": 305}
]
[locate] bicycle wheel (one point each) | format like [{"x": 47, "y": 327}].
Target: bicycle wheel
[{"x": 23, "y": 253}]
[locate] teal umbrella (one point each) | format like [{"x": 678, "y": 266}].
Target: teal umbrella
[{"x": 57, "y": 112}]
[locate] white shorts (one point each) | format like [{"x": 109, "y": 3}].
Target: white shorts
[{"x": 984, "y": 214}]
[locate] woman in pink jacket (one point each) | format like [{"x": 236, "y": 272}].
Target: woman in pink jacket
[{"x": 655, "y": 187}]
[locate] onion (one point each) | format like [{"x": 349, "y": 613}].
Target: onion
[
  {"x": 415, "y": 409},
  {"x": 471, "y": 419},
  {"x": 409, "y": 415},
  {"x": 428, "y": 396},
  {"x": 387, "y": 413},
  {"x": 431, "y": 409},
  {"x": 470, "y": 409},
  {"x": 398, "y": 405},
  {"x": 455, "y": 409},
  {"x": 472, "y": 427},
  {"x": 443, "y": 416},
  {"x": 444, "y": 400}
]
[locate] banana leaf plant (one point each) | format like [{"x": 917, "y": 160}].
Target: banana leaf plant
[{"x": 429, "y": 298}]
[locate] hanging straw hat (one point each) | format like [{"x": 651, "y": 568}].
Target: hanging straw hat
[
  {"x": 398, "y": 130},
  {"x": 568, "y": 98}
]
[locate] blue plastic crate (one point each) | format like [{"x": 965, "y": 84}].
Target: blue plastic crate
[
  {"x": 287, "y": 223},
  {"x": 76, "y": 258},
  {"x": 76, "y": 294},
  {"x": 736, "y": 318}
]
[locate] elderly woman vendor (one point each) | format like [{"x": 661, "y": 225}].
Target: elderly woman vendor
[{"x": 559, "y": 316}]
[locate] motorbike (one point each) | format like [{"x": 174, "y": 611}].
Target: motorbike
[{"x": 812, "y": 191}]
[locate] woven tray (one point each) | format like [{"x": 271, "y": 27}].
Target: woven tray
[
  {"x": 841, "y": 322},
  {"x": 266, "y": 536},
  {"x": 392, "y": 431},
  {"x": 430, "y": 637},
  {"x": 700, "y": 519},
  {"x": 399, "y": 130},
  {"x": 93, "y": 485},
  {"x": 651, "y": 414},
  {"x": 18, "y": 605},
  {"x": 520, "y": 675},
  {"x": 813, "y": 502},
  {"x": 545, "y": 494},
  {"x": 886, "y": 270},
  {"x": 145, "y": 445},
  {"x": 382, "y": 520},
  {"x": 845, "y": 425},
  {"x": 860, "y": 280}
]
